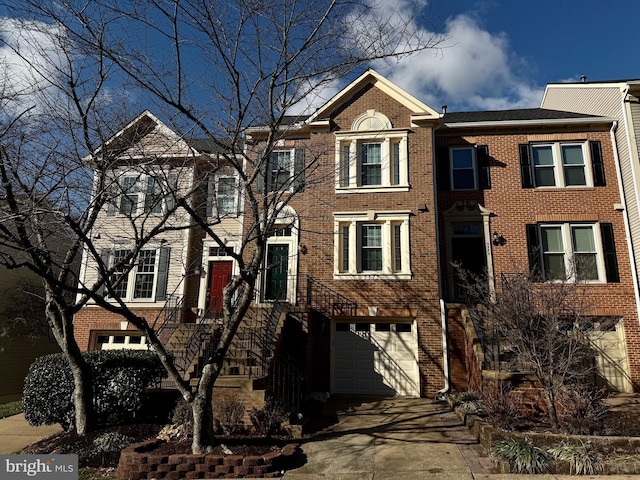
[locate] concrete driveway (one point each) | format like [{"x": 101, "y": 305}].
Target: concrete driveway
[{"x": 391, "y": 438}]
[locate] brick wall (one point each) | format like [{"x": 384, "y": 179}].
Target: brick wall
[{"x": 513, "y": 207}]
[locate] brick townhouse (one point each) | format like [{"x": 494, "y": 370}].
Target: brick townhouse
[{"x": 390, "y": 192}]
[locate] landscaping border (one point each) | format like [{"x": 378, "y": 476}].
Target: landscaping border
[
  {"x": 488, "y": 435},
  {"x": 138, "y": 462}
]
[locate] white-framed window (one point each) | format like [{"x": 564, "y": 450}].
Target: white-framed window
[
  {"x": 561, "y": 164},
  {"x": 143, "y": 278},
  {"x": 372, "y": 244},
  {"x": 141, "y": 193},
  {"x": 571, "y": 251},
  {"x": 222, "y": 196},
  {"x": 372, "y": 163},
  {"x": 285, "y": 171},
  {"x": 463, "y": 168}
]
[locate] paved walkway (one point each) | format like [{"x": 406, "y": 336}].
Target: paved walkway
[{"x": 16, "y": 433}]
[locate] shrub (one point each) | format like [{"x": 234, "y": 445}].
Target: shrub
[
  {"x": 112, "y": 442},
  {"x": 521, "y": 455},
  {"x": 502, "y": 404},
  {"x": 120, "y": 378},
  {"x": 268, "y": 421},
  {"x": 229, "y": 414},
  {"x": 582, "y": 409},
  {"x": 581, "y": 458}
]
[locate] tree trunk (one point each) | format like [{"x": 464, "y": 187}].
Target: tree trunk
[
  {"x": 551, "y": 408},
  {"x": 203, "y": 434}
]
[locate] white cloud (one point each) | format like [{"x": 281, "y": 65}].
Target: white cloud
[
  {"x": 31, "y": 55},
  {"x": 472, "y": 69}
]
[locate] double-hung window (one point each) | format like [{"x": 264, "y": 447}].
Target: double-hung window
[
  {"x": 366, "y": 163},
  {"x": 140, "y": 193},
  {"x": 562, "y": 164},
  {"x": 372, "y": 245},
  {"x": 463, "y": 168},
  {"x": 285, "y": 171},
  {"x": 573, "y": 251},
  {"x": 222, "y": 193},
  {"x": 143, "y": 278}
]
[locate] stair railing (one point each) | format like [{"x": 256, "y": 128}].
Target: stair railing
[{"x": 327, "y": 301}]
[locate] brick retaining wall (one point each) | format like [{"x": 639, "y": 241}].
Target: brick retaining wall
[{"x": 138, "y": 462}]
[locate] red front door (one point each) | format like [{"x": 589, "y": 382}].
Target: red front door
[{"x": 219, "y": 275}]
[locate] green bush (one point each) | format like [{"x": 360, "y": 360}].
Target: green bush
[
  {"x": 582, "y": 459},
  {"x": 521, "y": 455},
  {"x": 11, "y": 408},
  {"x": 120, "y": 379}
]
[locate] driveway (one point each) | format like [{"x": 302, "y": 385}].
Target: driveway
[{"x": 391, "y": 438}]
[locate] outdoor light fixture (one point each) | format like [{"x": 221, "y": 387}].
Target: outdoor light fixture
[{"x": 498, "y": 240}]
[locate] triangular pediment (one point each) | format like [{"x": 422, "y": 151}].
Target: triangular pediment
[
  {"x": 147, "y": 137},
  {"x": 418, "y": 109}
]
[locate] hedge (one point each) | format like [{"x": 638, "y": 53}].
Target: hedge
[{"x": 120, "y": 379}]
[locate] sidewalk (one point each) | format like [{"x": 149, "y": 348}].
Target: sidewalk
[{"x": 16, "y": 433}]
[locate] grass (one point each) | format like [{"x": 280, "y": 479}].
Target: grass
[{"x": 11, "y": 408}]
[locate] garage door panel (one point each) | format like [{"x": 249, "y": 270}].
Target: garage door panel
[{"x": 375, "y": 361}]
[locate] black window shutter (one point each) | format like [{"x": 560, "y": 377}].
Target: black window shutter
[
  {"x": 211, "y": 194},
  {"x": 442, "y": 168},
  {"x": 163, "y": 275},
  {"x": 104, "y": 257},
  {"x": 609, "y": 252},
  {"x": 597, "y": 165},
  {"x": 484, "y": 172},
  {"x": 533, "y": 248},
  {"x": 260, "y": 164},
  {"x": 298, "y": 170},
  {"x": 526, "y": 170}
]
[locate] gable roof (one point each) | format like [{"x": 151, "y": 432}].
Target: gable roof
[{"x": 371, "y": 77}]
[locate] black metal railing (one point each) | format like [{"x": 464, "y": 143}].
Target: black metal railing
[
  {"x": 327, "y": 301},
  {"x": 286, "y": 381},
  {"x": 171, "y": 314}
]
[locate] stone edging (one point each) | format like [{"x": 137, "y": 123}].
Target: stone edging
[
  {"x": 138, "y": 462},
  {"x": 488, "y": 435}
]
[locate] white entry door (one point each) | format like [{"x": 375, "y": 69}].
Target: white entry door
[{"x": 375, "y": 359}]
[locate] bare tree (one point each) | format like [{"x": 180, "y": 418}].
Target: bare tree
[
  {"x": 215, "y": 68},
  {"x": 546, "y": 325}
]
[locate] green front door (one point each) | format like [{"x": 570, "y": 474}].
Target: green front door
[{"x": 277, "y": 272}]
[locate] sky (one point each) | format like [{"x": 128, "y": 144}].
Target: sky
[{"x": 499, "y": 54}]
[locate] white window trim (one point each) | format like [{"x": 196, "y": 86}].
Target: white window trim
[
  {"x": 568, "y": 250},
  {"x": 474, "y": 165},
  {"x": 292, "y": 163},
  {"x": 142, "y": 180},
  {"x": 558, "y": 170},
  {"x": 131, "y": 278},
  {"x": 387, "y": 220},
  {"x": 215, "y": 210},
  {"x": 386, "y": 139}
]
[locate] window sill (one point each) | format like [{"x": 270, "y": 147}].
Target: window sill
[
  {"x": 372, "y": 276},
  {"x": 138, "y": 302},
  {"x": 373, "y": 189},
  {"x": 564, "y": 189}
]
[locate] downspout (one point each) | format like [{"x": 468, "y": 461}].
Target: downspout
[{"x": 440, "y": 394}]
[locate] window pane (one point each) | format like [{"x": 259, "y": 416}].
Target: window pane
[
  {"x": 363, "y": 327},
  {"x": 153, "y": 196},
  {"x": 145, "y": 272},
  {"x": 372, "y": 247},
  {"x": 463, "y": 179},
  {"x": 383, "y": 327},
  {"x": 554, "y": 266},
  {"x": 120, "y": 279},
  {"x": 226, "y": 206},
  {"x": 552, "y": 239},
  {"x": 345, "y": 248},
  {"x": 583, "y": 240},
  {"x": 370, "y": 164},
  {"x": 280, "y": 169},
  {"x": 344, "y": 162},
  {"x": 342, "y": 327},
  {"x": 462, "y": 158},
  {"x": 403, "y": 327},
  {"x": 543, "y": 166},
  {"x": 128, "y": 204},
  {"x": 586, "y": 266},
  {"x": 397, "y": 248},
  {"x": 226, "y": 186},
  {"x": 396, "y": 163},
  {"x": 572, "y": 155}
]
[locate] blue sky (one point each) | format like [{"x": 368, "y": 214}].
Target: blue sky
[{"x": 499, "y": 54}]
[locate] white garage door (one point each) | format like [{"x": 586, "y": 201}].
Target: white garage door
[{"x": 375, "y": 359}]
